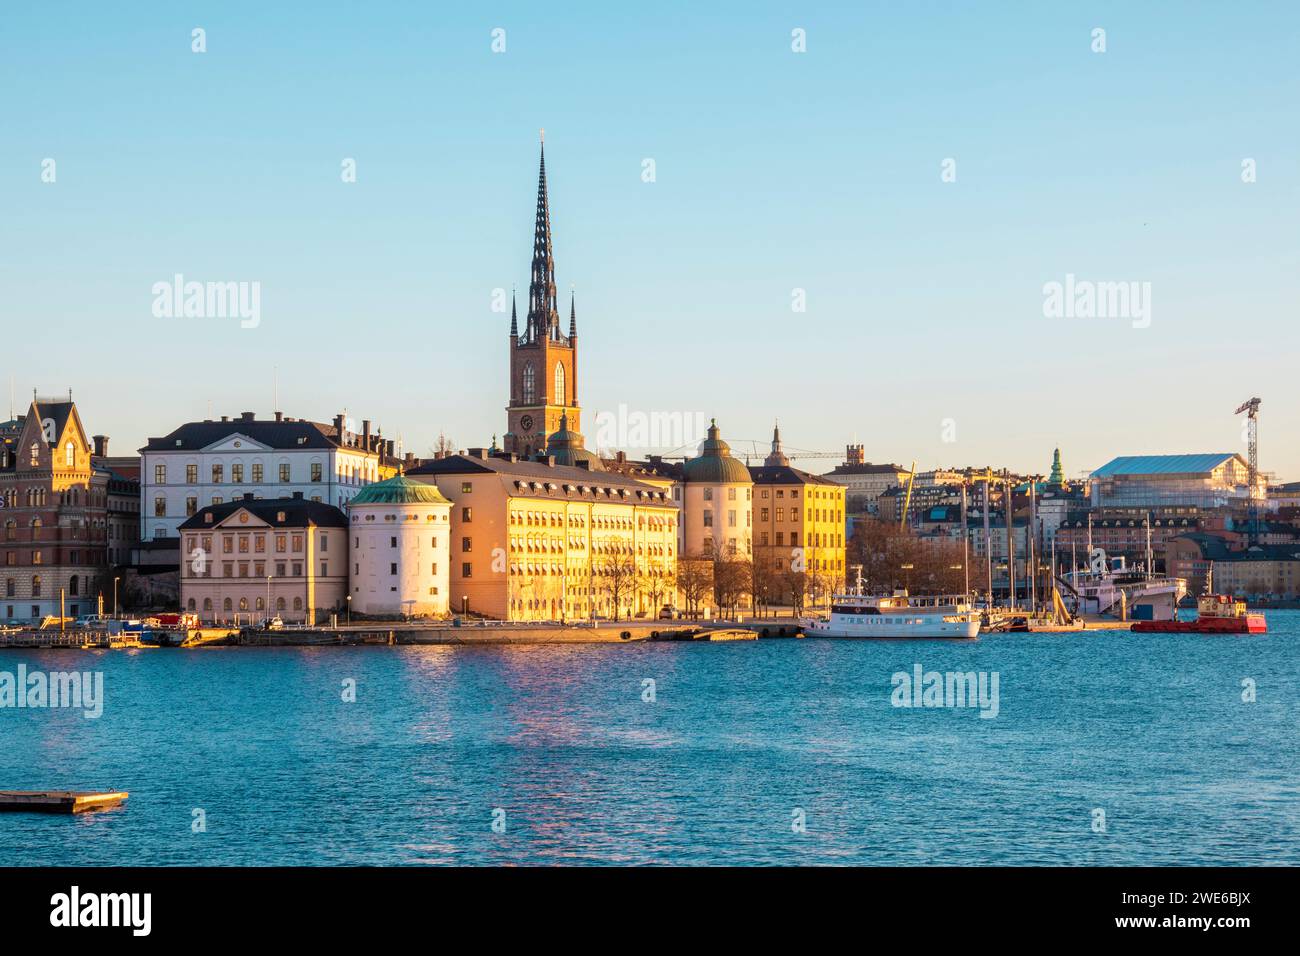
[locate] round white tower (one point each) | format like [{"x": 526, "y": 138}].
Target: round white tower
[{"x": 400, "y": 549}]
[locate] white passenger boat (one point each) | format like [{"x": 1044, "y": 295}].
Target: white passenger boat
[{"x": 897, "y": 615}]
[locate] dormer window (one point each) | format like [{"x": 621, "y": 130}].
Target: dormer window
[{"x": 36, "y": 453}]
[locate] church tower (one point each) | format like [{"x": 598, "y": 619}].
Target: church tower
[{"x": 543, "y": 360}]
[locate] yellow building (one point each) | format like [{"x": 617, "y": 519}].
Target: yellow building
[
  {"x": 535, "y": 540},
  {"x": 798, "y": 529}
]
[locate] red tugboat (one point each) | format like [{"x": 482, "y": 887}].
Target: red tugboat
[{"x": 1215, "y": 614}]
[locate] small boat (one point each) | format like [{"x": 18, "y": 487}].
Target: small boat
[
  {"x": 162, "y": 638},
  {"x": 730, "y": 634},
  {"x": 898, "y": 615},
  {"x": 1215, "y": 614}
]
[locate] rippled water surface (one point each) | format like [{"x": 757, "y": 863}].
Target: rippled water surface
[{"x": 1152, "y": 729}]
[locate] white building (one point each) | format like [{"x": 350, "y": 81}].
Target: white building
[
  {"x": 401, "y": 533},
  {"x": 213, "y": 462}
]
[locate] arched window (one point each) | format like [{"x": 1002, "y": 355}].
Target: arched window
[
  {"x": 261, "y": 604},
  {"x": 243, "y": 604},
  {"x": 559, "y": 384},
  {"x": 207, "y": 604},
  {"x": 297, "y": 604},
  {"x": 70, "y": 454},
  {"x": 227, "y": 605},
  {"x": 530, "y": 384},
  {"x": 279, "y": 604},
  {"x": 190, "y": 605},
  {"x": 36, "y": 453}
]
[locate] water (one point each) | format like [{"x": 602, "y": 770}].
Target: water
[{"x": 1152, "y": 729}]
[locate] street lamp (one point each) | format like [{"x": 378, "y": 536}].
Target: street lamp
[
  {"x": 348, "y": 598},
  {"x": 464, "y": 604},
  {"x": 266, "y": 611},
  {"x": 908, "y": 569},
  {"x": 115, "y": 580}
]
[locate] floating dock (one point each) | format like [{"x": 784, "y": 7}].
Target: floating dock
[{"x": 58, "y": 801}]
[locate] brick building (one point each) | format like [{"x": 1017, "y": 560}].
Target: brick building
[{"x": 54, "y": 515}]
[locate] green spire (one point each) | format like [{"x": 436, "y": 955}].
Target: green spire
[{"x": 1057, "y": 478}]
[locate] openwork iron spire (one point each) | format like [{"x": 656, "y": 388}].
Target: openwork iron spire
[{"x": 543, "y": 317}]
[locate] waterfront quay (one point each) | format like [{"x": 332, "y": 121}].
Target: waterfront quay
[{"x": 394, "y": 633}]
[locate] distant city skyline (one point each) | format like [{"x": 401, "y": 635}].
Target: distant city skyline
[{"x": 779, "y": 177}]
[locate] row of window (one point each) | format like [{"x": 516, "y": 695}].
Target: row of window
[
  {"x": 38, "y": 557},
  {"x": 255, "y": 569},
  {"x": 257, "y": 603},
  {"x": 236, "y": 473},
  {"x": 11, "y": 586},
  {"x": 731, "y": 518},
  {"x": 812, "y": 540},
  {"x": 202, "y": 544},
  {"x": 814, "y": 514},
  {"x": 392, "y": 570}
]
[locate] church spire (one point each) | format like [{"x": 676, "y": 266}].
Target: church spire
[
  {"x": 514, "y": 316},
  {"x": 543, "y": 317},
  {"x": 573, "y": 317},
  {"x": 777, "y": 457}
]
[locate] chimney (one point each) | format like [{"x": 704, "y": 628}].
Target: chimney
[
  {"x": 338, "y": 426},
  {"x": 101, "y": 446},
  {"x": 390, "y": 448},
  {"x": 409, "y": 458},
  {"x": 365, "y": 434},
  {"x": 248, "y": 416},
  {"x": 279, "y": 416},
  {"x": 225, "y": 418}
]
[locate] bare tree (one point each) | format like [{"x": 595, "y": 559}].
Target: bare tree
[
  {"x": 619, "y": 574},
  {"x": 695, "y": 580},
  {"x": 732, "y": 576}
]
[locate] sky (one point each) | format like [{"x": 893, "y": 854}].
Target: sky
[{"x": 779, "y": 177}]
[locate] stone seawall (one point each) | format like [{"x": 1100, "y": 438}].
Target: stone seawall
[{"x": 627, "y": 633}]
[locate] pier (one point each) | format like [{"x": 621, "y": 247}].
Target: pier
[{"x": 59, "y": 801}]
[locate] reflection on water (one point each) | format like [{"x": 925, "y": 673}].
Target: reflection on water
[{"x": 1151, "y": 728}]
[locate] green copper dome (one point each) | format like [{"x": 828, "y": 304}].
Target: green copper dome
[
  {"x": 399, "y": 491},
  {"x": 569, "y": 447},
  {"x": 715, "y": 464}
]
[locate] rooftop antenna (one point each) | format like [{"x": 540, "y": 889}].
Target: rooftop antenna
[{"x": 275, "y": 401}]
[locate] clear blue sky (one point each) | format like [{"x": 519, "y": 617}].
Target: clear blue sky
[{"x": 775, "y": 171}]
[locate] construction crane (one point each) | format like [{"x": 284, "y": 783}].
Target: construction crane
[
  {"x": 1251, "y": 408},
  {"x": 907, "y": 501}
]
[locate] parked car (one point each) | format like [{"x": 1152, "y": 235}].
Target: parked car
[
  {"x": 273, "y": 624},
  {"x": 668, "y": 613}
]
